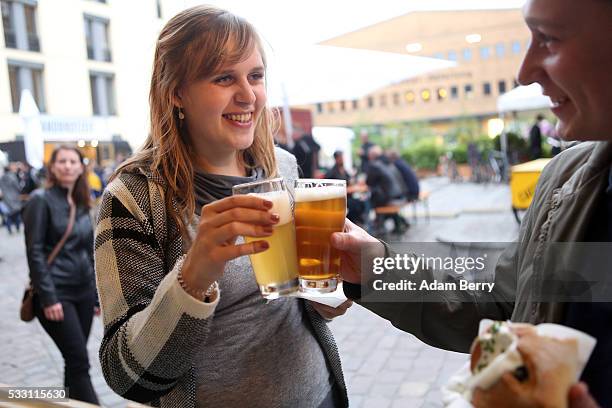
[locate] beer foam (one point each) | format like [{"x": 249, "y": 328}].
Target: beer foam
[
  {"x": 303, "y": 194},
  {"x": 281, "y": 204}
]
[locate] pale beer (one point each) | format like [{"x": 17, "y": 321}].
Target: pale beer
[
  {"x": 320, "y": 210},
  {"x": 275, "y": 269}
]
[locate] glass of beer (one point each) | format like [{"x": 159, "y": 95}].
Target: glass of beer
[
  {"x": 320, "y": 210},
  {"x": 275, "y": 269}
]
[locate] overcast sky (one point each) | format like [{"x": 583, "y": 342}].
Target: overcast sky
[{"x": 299, "y": 22}]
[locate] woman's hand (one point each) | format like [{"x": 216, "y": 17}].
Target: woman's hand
[
  {"x": 221, "y": 223},
  {"x": 54, "y": 313},
  {"x": 328, "y": 312}
]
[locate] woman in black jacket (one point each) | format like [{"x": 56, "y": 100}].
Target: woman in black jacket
[{"x": 65, "y": 296}]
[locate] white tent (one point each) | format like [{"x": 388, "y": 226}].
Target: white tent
[
  {"x": 33, "y": 133},
  {"x": 523, "y": 98},
  {"x": 318, "y": 73},
  {"x": 331, "y": 139}
]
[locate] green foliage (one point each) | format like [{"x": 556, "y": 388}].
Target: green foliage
[{"x": 424, "y": 154}]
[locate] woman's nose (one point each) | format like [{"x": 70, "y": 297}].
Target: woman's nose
[
  {"x": 531, "y": 67},
  {"x": 245, "y": 94}
]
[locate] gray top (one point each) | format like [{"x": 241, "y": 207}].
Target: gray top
[{"x": 254, "y": 345}]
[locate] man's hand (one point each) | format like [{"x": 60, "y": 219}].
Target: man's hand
[
  {"x": 351, "y": 243},
  {"x": 579, "y": 397},
  {"x": 551, "y": 366},
  {"x": 328, "y": 312}
]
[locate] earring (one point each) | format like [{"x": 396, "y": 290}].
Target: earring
[{"x": 181, "y": 115}]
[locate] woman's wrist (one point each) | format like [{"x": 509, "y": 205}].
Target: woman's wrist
[{"x": 200, "y": 289}]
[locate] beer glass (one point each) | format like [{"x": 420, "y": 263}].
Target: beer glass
[
  {"x": 275, "y": 269},
  {"x": 320, "y": 210}
]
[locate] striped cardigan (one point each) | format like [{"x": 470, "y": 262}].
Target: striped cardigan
[{"x": 152, "y": 327}]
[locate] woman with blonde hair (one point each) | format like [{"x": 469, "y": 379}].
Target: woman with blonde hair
[{"x": 185, "y": 324}]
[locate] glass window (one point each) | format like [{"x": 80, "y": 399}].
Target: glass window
[
  {"x": 102, "y": 87},
  {"x": 410, "y": 97},
  {"x": 97, "y": 39},
  {"x": 426, "y": 95},
  {"x": 26, "y": 76},
  {"x": 355, "y": 104},
  {"x": 396, "y": 99},
  {"x": 485, "y": 52},
  {"x": 319, "y": 108},
  {"x": 438, "y": 55},
  {"x": 454, "y": 92},
  {"x": 467, "y": 54},
  {"x": 500, "y": 50},
  {"x": 330, "y": 107},
  {"x": 442, "y": 94},
  {"x": 383, "y": 101},
  {"x": 486, "y": 88},
  {"x": 501, "y": 87},
  {"x": 469, "y": 91},
  {"x": 370, "y": 101},
  {"x": 516, "y": 47},
  {"x": 342, "y": 105},
  {"x": 7, "y": 21},
  {"x": 19, "y": 21},
  {"x": 452, "y": 55}
]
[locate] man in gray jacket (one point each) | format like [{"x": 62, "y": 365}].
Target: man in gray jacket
[{"x": 571, "y": 57}]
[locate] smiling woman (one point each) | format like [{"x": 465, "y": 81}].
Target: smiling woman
[{"x": 185, "y": 323}]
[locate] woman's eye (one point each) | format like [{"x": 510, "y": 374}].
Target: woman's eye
[
  {"x": 544, "y": 40},
  {"x": 223, "y": 80},
  {"x": 257, "y": 76}
]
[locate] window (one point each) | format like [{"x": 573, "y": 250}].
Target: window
[
  {"x": 342, "y": 106},
  {"x": 438, "y": 55},
  {"x": 500, "y": 50},
  {"x": 383, "y": 101},
  {"x": 442, "y": 94},
  {"x": 19, "y": 21},
  {"x": 485, "y": 52},
  {"x": 426, "y": 95},
  {"x": 102, "y": 93},
  {"x": 454, "y": 92},
  {"x": 355, "y": 104},
  {"x": 501, "y": 87},
  {"x": 396, "y": 99},
  {"x": 24, "y": 75},
  {"x": 452, "y": 56},
  {"x": 319, "y": 108},
  {"x": 516, "y": 47},
  {"x": 410, "y": 97},
  {"x": 469, "y": 91},
  {"x": 97, "y": 38},
  {"x": 467, "y": 54},
  {"x": 486, "y": 88},
  {"x": 330, "y": 107},
  {"x": 370, "y": 101}
]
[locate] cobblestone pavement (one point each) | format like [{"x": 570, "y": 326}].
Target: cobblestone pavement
[{"x": 384, "y": 366}]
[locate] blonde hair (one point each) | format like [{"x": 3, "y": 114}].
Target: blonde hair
[{"x": 192, "y": 46}]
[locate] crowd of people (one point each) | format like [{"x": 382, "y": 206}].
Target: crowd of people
[{"x": 184, "y": 322}]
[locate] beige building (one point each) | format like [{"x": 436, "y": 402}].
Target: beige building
[
  {"x": 87, "y": 64},
  {"x": 487, "y": 45}
]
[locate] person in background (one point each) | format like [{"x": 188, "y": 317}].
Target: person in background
[
  {"x": 185, "y": 322},
  {"x": 65, "y": 297},
  {"x": 570, "y": 56},
  {"x": 535, "y": 138},
  {"x": 408, "y": 175},
  {"x": 356, "y": 208},
  {"x": 11, "y": 197},
  {"x": 306, "y": 151},
  {"x": 364, "y": 151}
]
